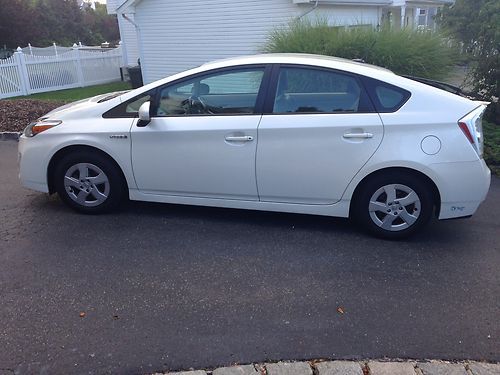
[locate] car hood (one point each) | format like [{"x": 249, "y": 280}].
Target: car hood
[{"x": 82, "y": 104}]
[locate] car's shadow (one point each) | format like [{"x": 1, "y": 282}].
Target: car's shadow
[{"x": 435, "y": 233}]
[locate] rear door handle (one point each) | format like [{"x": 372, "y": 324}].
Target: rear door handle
[
  {"x": 358, "y": 135},
  {"x": 239, "y": 138}
]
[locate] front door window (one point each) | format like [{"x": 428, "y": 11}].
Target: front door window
[{"x": 224, "y": 93}]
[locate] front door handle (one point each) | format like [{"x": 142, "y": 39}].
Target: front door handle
[
  {"x": 239, "y": 138},
  {"x": 358, "y": 135}
]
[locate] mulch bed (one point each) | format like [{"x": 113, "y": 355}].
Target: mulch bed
[{"x": 15, "y": 115}]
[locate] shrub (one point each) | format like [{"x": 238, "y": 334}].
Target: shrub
[
  {"x": 476, "y": 24},
  {"x": 492, "y": 146},
  {"x": 418, "y": 53}
]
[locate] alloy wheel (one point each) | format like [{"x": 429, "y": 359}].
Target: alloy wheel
[
  {"x": 394, "y": 207},
  {"x": 86, "y": 184}
]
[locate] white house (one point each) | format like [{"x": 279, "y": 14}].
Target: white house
[{"x": 170, "y": 35}]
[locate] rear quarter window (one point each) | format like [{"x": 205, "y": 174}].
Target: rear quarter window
[{"x": 386, "y": 98}]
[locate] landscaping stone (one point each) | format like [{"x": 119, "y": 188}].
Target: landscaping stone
[
  {"x": 391, "y": 368},
  {"x": 236, "y": 370},
  {"x": 442, "y": 368},
  {"x": 354, "y": 368},
  {"x": 339, "y": 368},
  {"x": 197, "y": 372},
  {"x": 289, "y": 368},
  {"x": 478, "y": 368}
]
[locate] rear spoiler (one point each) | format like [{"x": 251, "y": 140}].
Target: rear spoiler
[{"x": 446, "y": 87}]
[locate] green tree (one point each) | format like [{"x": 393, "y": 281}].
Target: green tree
[
  {"x": 476, "y": 24},
  {"x": 43, "y": 22},
  {"x": 100, "y": 25},
  {"x": 17, "y": 27},
  {"x": 61, "y": 20}
]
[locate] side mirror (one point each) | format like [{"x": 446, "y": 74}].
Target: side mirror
[{"x": 144, "y": 116}]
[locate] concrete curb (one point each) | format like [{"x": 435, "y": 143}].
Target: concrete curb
[
  {"x": 9, "y": 136},
  {"x": 368, "y": 367}
]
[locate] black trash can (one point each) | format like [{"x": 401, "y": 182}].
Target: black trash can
[{"x": 135, "y": 75}]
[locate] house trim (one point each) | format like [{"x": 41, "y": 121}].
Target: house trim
[
  {"x": 124, "y": 7},
  {"x": 347, "y": 2}
]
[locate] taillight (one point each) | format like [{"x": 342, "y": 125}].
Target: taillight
[
  {"x": 472, "y": 127},
  {"x": 466, "y": 131}
]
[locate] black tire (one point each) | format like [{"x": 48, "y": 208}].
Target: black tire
[
  {"x": 101, "y": 196},
  {"x": 393, "y": 218}
]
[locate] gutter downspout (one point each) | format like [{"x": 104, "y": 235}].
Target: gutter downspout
[
  {"x": 130, "y": 20},
  {"x": 139, "y": 43},
  {"x": 316, "y": 3}
]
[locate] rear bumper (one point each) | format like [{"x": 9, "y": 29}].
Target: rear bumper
[{"x": 462, "y": 186}]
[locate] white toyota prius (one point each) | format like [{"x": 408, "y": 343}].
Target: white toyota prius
[{"x": 292, "y": 133}]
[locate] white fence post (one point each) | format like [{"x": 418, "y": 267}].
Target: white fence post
[
  {"x": 123, "y": 51},
  {"x": 79, "y": 69},
  {"x": 23, "y": 71}
]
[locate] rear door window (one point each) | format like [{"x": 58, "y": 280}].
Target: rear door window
[{"x": 310, "y": 90}]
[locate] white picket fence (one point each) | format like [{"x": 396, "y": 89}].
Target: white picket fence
[{"x": 25, "y": 74}]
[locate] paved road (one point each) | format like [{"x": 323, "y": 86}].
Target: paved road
[{"x": 170, "y": 287}]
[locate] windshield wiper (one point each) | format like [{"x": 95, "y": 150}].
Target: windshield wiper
[{"x": 112, "y": 96}]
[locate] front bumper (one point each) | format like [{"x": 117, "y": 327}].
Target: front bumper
[{"x": 32, "y": 159}]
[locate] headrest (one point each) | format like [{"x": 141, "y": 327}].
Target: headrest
[{"x": 203, "y": 89}]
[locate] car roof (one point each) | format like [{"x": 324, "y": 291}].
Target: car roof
[
  {"x": 302, "y": 59},
  {"x": 281, "y": 58},
  {"x": 299, "y": 58}
]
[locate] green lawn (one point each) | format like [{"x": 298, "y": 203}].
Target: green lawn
[
  {"x": 492, "y": 146},
  {"x": 71, "y": 95}
]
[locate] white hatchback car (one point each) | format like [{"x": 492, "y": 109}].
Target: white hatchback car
[{"x": 293, "y": 133}]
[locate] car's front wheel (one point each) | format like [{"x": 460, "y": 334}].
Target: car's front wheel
[
  {"x": 89, "y": 183},
  {"x": 393, "y": 207}
]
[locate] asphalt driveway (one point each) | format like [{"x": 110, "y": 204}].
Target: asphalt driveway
[{"x": 172, "y": 287}]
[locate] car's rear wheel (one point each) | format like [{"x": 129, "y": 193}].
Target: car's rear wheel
[
  {"x": 393, "y": 207},
  {"x": 89, "y": 183}
]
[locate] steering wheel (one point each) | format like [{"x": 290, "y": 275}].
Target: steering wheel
[
  {"x": 196, "y": 105},
  {"x": 204, "y": 105}
]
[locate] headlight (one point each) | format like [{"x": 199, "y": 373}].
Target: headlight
[{"x": 40, "y": 126}]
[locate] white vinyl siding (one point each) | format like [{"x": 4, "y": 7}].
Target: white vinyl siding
[
  {"x": 178, "y": 35},
  {"x": 181, "y": 35},
  {"x": 128, "y": 36},
  {"x": 111, "y": 6},
  {"x": 340, "y": 15}
]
